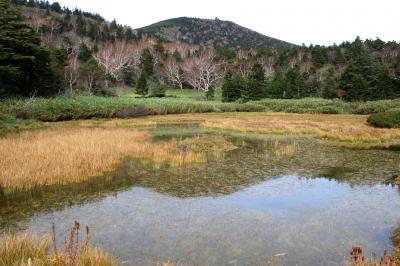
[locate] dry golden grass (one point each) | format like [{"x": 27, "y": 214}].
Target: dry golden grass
[
  {"x": 346, "y": 130},
  {"x": 73, "y": 151},
  {"x": 358, "y": 259},
  {"x": 30, "y": 250},
  {"x": 64, "y": 154},
  {"x": 17, "y": 249}
]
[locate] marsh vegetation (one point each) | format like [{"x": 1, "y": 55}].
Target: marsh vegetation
[{"x": 197, "y": 179}]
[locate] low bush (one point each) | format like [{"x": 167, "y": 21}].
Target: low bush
[
  {"x": 185, "y": 101},
  {"x": 86, "y": 107},
  {"x": 388, "y": 119},
  {"x": 372, "y": 107},
  {"x": 306, "y": 105},
  {"x": 11, "y": 124}
]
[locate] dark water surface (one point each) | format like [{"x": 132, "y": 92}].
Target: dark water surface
[{"x": 284, "y": 201}]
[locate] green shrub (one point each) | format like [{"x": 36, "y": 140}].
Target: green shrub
[
  {"x": 306, "y": 105},
  {"x": 183, "y": 101},
  {"x": 11, "y": 124},
  {"x": 373, "y": 107},
  {"x": 388, "y": 119},
  {"x": 86, "y": 107}
]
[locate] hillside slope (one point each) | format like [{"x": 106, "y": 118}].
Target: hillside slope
[{"x": 217, "y": 33}]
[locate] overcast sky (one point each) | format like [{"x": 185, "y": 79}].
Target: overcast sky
[{"x": 297, "y": 21}]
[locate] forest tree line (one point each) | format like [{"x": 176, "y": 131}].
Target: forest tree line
[{"x": 46, "y": 49}]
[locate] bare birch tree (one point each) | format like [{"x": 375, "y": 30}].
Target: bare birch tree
[
  {"x": 202, "y": 72},
  {"x": 173, "y": 72},
  {"x": 268, "y": 64},
  {"x": 71, "y": 71},
  {"x": 244, "y": 67},
  {"x": 114, "y": 58}
]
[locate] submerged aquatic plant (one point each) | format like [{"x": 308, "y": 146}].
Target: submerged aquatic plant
[{"x": 285, "y": 150}]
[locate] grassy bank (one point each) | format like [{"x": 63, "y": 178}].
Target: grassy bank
[
  {"x": 29, "y": 250},
  {"x": 85, "y": 107},
  {"x": 73, "y": 151},
  {"x": 62, "y": 155},
  {"x": 345, "y": 130},
  {"x": 324, "y": 106},
  {"x": 176, "y": 102},
  {"x": 10, "y": 124}
]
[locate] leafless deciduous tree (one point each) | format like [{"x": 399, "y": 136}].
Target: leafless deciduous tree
[
  {"x": 268, "y": 63},
  {"x": 202, "y": 72},
  {"x": 182, "y": 48},
  {"x": 34, "y": 19},
  {"x": 71, "y": 71},
  {"x": 116, "y": 57},
  {"x": 173, "y": 72}
]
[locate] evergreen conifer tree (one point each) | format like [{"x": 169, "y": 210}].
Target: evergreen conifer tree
[
  {"x": 256, "y": 87},
  {"x": 232, "y": 87},
  {"x": 25, "y": 66}
]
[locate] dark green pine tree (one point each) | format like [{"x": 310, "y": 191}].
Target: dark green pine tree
[
  {"x": 330, "y": 85},
  {"x": 31, "y": 3},
  {"x": 295, "y": 86},
  {"x": 129, "y": 36},
  {"x": 340, "y": 59},
  {"x": 141, "y": 85},
  {"x": 147, "y": 63},
  {"x": 276, "y": 87},
  {"x": 129, "y": 76},
  {"x": 232, "y": 87},
  {"x": 25, "y": 66},
  {"x": 113, "y": 25},
  {"x": 120, "y": 33},
  {"x": 319, "y": 56},
  {"x": 92, "y": 32},
  {"x": 56, "y": 7},
  {"x": 147, "y": 82},
  {"x": 84, "y": 52},
  {"x": 366, "y": 77},
  {"x": 256, "y": 87},
  {"x": 80, "y": 25},
  {"x": 384, "y": 85}
]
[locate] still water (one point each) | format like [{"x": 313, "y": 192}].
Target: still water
[{"x": 273, "y": 200}]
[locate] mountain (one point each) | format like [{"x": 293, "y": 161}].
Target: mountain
[{"x": 212, "y": 32}]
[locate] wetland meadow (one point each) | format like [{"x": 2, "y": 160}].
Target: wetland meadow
[{"x": 200, "y": 189}]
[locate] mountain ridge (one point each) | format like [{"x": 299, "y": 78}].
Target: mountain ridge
[{"x": 212, "y": 32}]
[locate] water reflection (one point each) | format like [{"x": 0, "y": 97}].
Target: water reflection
[{"x": 311, "y": 221}]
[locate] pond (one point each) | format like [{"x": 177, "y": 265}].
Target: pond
[{"x": 272, "y": 200}]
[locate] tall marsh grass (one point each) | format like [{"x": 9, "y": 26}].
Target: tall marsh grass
[
  {"x": 325, "y": 106},
  {"x": 64, "y": 155},
  {"x": 86, "y": 107},
  {"x": 346, "y": 130},
  {"x": 357, "y": 258},
  {"x": 30, "y": 250}
]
